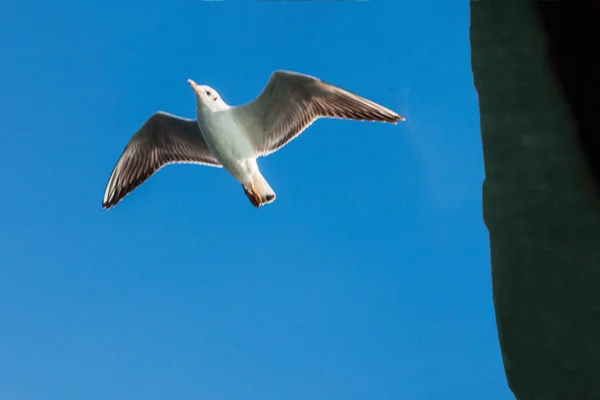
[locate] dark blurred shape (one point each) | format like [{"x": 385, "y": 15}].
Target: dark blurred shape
[{"x": 536, "y": 68}]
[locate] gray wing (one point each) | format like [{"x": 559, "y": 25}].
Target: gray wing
[
  {"x": 163, "y": 139},
  {"x": 290, "y": 102}
]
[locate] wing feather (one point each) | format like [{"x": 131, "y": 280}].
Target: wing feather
[
  {"x": 163, "y": 139},
  {"x": 290, "y": 102}
]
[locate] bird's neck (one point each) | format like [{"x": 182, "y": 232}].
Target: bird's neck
[
  {"x": 205, "y": 113},
  {"x": 211, "y": 108}
]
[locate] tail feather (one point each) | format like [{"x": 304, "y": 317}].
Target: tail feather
[{"x": 259, "y": 191}]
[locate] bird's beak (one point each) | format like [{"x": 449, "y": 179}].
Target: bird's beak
[{"x": 193, "y": 84}]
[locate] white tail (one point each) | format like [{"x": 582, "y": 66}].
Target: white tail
[{"x": 259, "y": 191}]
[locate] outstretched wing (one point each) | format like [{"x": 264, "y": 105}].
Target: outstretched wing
[
  {"x": 163, "y": 139},
  {"x": 290, "y": 102}
]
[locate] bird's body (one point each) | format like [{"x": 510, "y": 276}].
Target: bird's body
[
  {"x": 234, "y": 137},
  {"x": 230, "y": 142},
  {"x": 227, "y": 140}
]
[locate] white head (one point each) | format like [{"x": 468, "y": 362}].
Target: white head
[{"x": 207, "y": 97}]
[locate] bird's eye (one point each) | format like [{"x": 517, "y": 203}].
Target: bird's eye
[{"x": 208, "y": 92}]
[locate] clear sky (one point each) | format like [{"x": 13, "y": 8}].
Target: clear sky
[{"x": 367, "y": 278}]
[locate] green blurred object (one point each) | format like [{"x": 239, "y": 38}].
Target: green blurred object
[{"x": 540, "y": 205}]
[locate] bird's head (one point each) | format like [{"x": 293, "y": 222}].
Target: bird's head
[{"x": 207, "y": 97}]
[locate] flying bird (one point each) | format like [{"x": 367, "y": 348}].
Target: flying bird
[{"x": 234, "y": 137}]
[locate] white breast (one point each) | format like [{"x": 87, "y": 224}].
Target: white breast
[{"x": 227, "y": 140}]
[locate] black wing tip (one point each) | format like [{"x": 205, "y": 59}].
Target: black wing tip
[
  {"x": 393, "y": 119},
  {"x": 111, "y": 202},
  {"x": 107, "y": 205},
  {"x": 398, "y": 118},
  {"x": 122, "y": 192}
]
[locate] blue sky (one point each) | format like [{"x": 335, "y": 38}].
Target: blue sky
[{"x": 367, "y": 278}]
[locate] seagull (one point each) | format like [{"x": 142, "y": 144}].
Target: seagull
[{"x": 233, "y": 138}]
